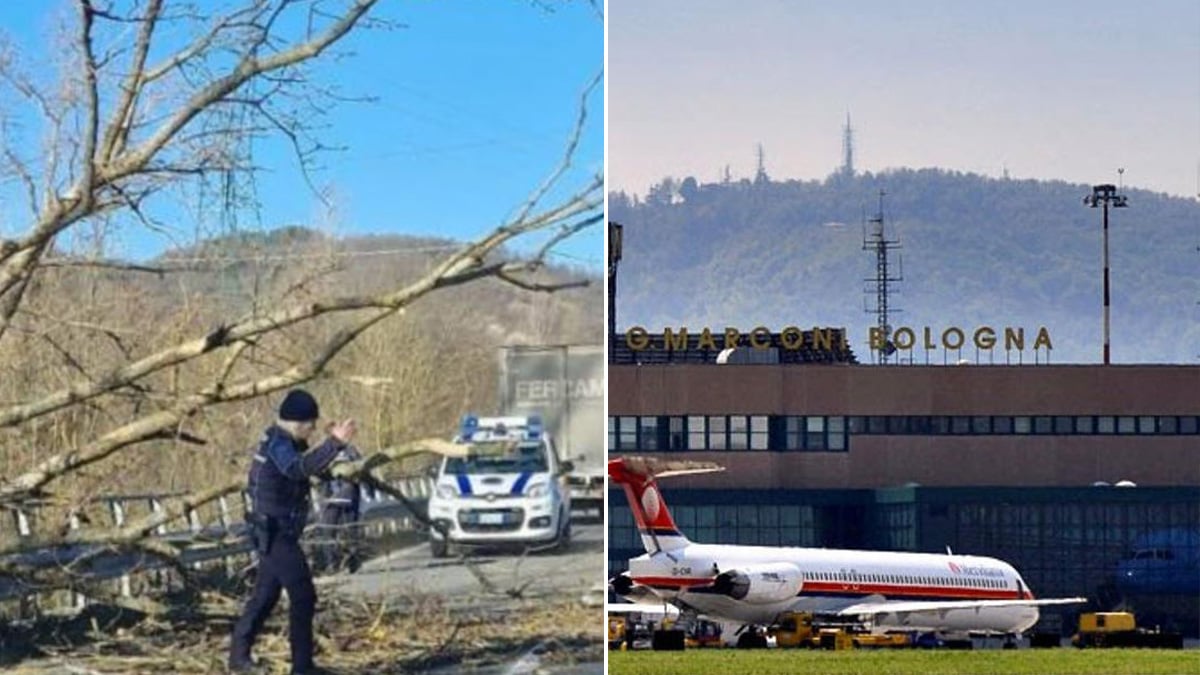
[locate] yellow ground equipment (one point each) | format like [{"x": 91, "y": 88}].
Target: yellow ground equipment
[
  {"x": 704, "y": 633},
  {"x": 886, "y": 641},
  {"x": 616, "y": 632},
  {"x": 836, "y": 639},
  {"x": 1119, "y": 629},
  {"x": 794, "y": 629},
  {"x": 798, "y": 629}
]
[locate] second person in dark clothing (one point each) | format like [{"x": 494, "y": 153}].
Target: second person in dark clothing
[
  {"x": 340, "y": 511},
  {"x": 279, "y": 487}
]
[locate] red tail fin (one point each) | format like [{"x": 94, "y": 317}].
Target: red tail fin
[{"x": 654, "y": 521}]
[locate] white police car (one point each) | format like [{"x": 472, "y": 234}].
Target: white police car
[{"x": 507, "y": 490}]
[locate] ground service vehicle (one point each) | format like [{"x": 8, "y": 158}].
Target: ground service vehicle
[
  {"x": 798, "y": 629},
  {"x": 703, "y": 633},
  {"x": 1119, "y": 629},
  {"x": 507, "y": 490},
  {"x": 564, "y": 385},
  {"x": 616, "y": 632}
]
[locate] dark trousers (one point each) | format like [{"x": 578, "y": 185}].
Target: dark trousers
[
  {"x": 340, "y": 537},
  {"x": 282, "y": 567}
]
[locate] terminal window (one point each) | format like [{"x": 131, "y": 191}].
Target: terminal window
[{"x": 832, "y": 433}]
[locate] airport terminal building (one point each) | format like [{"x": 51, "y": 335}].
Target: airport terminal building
[{"x": 1085, "y": 477}]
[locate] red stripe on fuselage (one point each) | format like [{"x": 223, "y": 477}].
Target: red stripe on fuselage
[
  {"x": 910, "y": 590},
  {"x": 953, "y": 592}
]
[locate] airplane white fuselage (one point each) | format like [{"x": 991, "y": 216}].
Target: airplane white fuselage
[{"x": 830, "y": 580}]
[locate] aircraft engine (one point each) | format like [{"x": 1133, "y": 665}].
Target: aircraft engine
[
  {"x": 622, "y": 584},
  {"x": 760, "y": 584}
]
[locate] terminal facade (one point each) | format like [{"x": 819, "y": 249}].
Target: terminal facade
[{"x": 1086, "y": 478}]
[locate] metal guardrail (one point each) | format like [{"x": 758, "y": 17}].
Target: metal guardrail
[{"x": 220, "y": 539}]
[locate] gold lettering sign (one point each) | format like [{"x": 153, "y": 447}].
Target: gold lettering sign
[
  {"x": 637, "y": 339},
  {"x": 1014, "y": 338},
  {"x": 1042, "y": 339},
  {"x": 953, "y": 338},
  {"x": 985, "y": 337},
  {"x": 674, "y": 342},
  {"x": 822, "y": 339},
  {"x": 875, "y": 338},
  {"x": 760, "y": 337},
  {"x": 731, "y": 337},
  {"x": 792, "y": 338}
]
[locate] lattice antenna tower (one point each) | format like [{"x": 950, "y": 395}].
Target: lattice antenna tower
[
  {"x": 875, "y": 240},
  {"x": 847, "y": 148},
  {"x": 760, "y": 175}
]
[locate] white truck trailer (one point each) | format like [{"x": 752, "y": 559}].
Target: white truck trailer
[{"x": 564, "y": 384}]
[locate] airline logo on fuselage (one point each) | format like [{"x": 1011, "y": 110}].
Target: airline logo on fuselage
[
  {"x": 651, "y": 504},
  {"x": 975, "y": 571}
]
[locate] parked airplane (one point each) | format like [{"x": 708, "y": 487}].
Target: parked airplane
[
  {"x": 754, "y": 584},
  {"x": 1162, "y": 562}
]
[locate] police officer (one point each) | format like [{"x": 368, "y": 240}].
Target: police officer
[
  {"x": 339, "y": 516},
  {"x": 279, "y": 489}
]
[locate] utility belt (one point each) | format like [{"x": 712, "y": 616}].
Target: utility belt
[{"x": 265, "y": 530}]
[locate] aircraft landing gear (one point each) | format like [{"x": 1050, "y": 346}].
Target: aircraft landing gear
[
  {"x": 668, "y": 640},
  {"x": 752, "y": 637}
]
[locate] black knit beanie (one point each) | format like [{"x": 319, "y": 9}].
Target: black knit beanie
[{"x": 299, "y": 406}]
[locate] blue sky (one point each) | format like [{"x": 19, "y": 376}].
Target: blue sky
[
  {"x": 1068, "y": 90},
  {"x": 474, "y": 103}
]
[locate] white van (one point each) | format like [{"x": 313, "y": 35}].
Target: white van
[{"x": 509, "y": 489}]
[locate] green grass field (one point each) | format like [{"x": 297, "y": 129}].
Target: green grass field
[{"x": 908, "y": 662}]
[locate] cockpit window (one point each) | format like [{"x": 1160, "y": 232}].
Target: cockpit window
[{"x": 1152, "y": 554}]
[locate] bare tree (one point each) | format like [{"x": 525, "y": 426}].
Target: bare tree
[{"x": 137, "y": 115}]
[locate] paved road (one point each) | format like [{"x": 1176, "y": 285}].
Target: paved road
[
  {"x": 490, "y": 581},
  {"x": 577, "y": 571}
]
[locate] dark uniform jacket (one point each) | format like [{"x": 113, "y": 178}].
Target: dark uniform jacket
[
  {"x": 279, "y": 478},
  {"x": 341, "y": 492}
]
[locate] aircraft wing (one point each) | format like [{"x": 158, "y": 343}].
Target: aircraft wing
[{"x": 875, "y": 607}]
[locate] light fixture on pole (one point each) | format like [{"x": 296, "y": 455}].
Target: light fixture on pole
[{"x": 1104, "y": 195}]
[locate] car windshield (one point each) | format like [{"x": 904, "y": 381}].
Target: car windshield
[{"x": 504, "y": 457}]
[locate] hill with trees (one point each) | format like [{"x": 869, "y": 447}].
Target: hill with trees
[{"x": 976, "y": 251}]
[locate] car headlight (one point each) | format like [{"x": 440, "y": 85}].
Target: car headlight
[
  {"x": 538, "y": 490},
  {"x": 446, "y": 492}
]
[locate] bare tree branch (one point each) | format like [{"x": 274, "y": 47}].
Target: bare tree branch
[
  {"x": 84, "y": 191},
  {"x": 568, "y": 151},
  {"x": 456, "y": 269},
  {"x": 117, "y": 139},
  {"x": 117, "y": 131},
  {"x": 62, "y": 211}
]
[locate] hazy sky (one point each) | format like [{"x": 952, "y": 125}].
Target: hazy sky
[
  {"x": 1066, "y": 90},
  {"x": 473, "y": 105}
]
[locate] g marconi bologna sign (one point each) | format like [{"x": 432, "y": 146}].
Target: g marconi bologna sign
[{"x": 903, "y": 338}]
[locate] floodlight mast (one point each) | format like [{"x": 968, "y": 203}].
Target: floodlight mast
[
  {"x": 1103, "y": 195},
  {"x": 615, "y": 232}
]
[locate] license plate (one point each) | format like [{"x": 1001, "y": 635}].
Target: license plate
[{"x": 491, "y": 518}]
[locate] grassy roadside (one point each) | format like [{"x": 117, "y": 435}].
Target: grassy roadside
[{"x": 909, "y": 662}]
